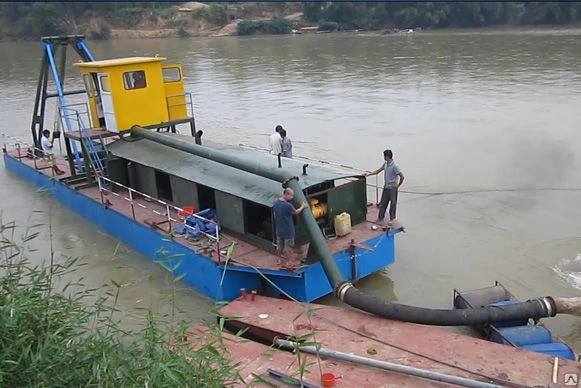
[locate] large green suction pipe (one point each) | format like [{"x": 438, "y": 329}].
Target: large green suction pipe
[
  {"x": 274, "y": 173},
  {"x": 345, "y": 291}
]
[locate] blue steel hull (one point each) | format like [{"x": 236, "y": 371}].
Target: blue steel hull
[{"x": 306, "y": 284}]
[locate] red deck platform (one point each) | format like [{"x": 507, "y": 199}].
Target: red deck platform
[{"x": 361, "y": 334}]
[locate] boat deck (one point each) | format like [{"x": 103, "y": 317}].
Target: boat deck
[
  {"x": 93, "y": 133},
  {"x": 364, "y": 335},
  {"x": 245, "y": 254}
]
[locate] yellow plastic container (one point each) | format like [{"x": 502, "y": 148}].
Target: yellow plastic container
[{"x": 342, "y": 224}]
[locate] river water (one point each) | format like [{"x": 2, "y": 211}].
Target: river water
[{"x": 488, "y": 120}]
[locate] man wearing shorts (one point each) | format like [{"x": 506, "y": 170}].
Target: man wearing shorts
[
  {"x": 46, "y": 144},
  {"x": 285, "y": 227}
]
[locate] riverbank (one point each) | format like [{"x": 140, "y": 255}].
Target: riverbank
[{"x": 102, "y": 21}]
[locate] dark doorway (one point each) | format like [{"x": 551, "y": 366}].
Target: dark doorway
[
  {"x": 163, "y": 186},
  {"x": 206, "y": 197},
  {"x": 258, "y": 219}
]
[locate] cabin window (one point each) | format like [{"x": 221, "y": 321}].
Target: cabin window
[
  {"x": 134, "y": 80},
  {"x": 104, "y": 81},
  {"x": 171, "y": 74}
]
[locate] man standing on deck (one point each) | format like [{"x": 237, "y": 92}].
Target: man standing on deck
[
  {"x": 275, "y": 141},
  {"x": 393, "y": 180},
  {"x": 285, "y": 227},
  {"x": 46, "y": 145},
  {"x": 287, "y": 145}
]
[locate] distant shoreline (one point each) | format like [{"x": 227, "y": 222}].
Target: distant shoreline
[{"x": 231, "y": 30}]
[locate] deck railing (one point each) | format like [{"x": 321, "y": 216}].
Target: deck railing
[
  {"x": 329, "y": 163},
  {"x": 185, "y": 99},
  {"x": 71, "y": 112},
  {"x": 35, "y": 154},
  {"x": 106, "y": 186}
]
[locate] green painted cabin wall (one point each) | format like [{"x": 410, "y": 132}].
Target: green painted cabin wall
[
  {"x": 117, "y": 172},
  {"x": 230, "y": 210},
  {"x": 144, "y": 179},
  {"x": 185, "y": 193},
  {"x": 351, "y": 198}
]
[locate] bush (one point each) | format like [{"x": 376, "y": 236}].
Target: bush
[
  {"x": 216, "y": 13},
  {"x": 103, "y": 33},
  {"x": 176, "y": 23},
  {"x": 128, "y": 16},
  {"x": 52, "y": 339},
  {"x": 328, "y": 26},
  {"x": 277, "y": 25},
  {"x": 247, "y": 27},
  {"x": 183, "y": 33},
  {"x": 167, "y": 13}
]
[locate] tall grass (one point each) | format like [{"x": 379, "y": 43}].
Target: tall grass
[{"x": 53, "y": 337}]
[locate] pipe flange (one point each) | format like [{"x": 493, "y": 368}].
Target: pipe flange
[
  {"x": 342, "y": 289},
  {"x": 550, "y": 305},
  {"x": 287, "y": 180}
]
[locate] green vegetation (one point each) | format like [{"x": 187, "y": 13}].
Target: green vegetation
[
  {"x": 30, "y": 20},
  {"x": 215, "y": 13},
  {"x": 56, "y": 338},
  {"x": 373, "y": 16},
  {"x": 277, "y": 25}
]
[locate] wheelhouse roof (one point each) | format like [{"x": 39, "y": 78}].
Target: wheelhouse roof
[
  {"x": 220, "y": 177},
  {"x": 120, "y": 62}
]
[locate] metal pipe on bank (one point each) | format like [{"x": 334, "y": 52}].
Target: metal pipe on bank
[
  {"x": 344, "y": 290},
  {"x": 408, "y": 370}
]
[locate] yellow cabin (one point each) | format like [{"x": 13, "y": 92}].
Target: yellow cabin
[{"x": 135, "y": 91}]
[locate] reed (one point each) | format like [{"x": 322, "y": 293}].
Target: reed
[{"x": 51, "y": 336}]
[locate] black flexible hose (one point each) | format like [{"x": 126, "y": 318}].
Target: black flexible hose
[
  {"x": 345, "y": 291},
  {"x": 534, "y": 308}
]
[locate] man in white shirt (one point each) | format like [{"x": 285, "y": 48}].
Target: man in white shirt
[
  {"x": 46, "y": 145},
  {"x": 275, "y": 141}
]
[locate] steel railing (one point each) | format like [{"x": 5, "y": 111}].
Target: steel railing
[
  {"x": 35, "y": 155},
  {"x": 133, "y": 195},
  {"x": 188, "y": 102}
]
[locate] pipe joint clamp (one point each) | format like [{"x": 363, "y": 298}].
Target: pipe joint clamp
[{"x": 287, "y": 180}]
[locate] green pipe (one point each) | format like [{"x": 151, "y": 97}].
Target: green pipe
[
  {"x": 317, "y": 239},
  {"x": 343, "y": 289},
  {"x": 255, "y": 167}
]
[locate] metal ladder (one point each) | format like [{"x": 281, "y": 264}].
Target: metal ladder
[{"x": 93, "y": 153}]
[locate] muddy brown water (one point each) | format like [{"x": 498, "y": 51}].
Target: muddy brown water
[{"x": 481, "y": 122}]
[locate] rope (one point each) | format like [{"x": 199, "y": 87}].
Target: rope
[
  {"x": 383, "y": 342},
  {"x": 476, "y": 191}
]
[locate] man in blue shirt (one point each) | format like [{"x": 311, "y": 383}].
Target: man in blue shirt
[
  {"x": 393, "y": 179},
  {"x": 285, "y": 227}
]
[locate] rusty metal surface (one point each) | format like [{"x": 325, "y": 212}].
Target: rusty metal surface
[{"x": 368, "y": 338}]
